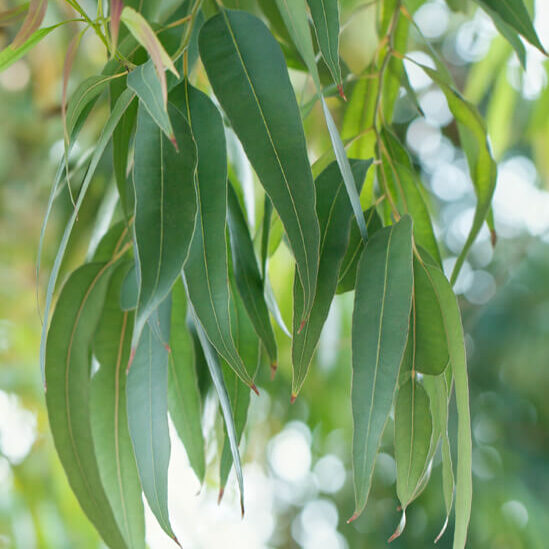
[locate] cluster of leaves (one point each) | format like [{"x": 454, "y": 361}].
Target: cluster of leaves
[{"x": 175, "y": 289}]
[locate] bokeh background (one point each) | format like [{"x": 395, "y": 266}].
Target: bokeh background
[{"x": 297, "y": 466}]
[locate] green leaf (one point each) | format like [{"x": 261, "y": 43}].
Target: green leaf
[
  {"x": 325, "y": 15},
  {"x": 381, "y": 314},
  {"x": 214, "y": 366},
  {"x": 428, "y": 337},
  {"x": 121, "y": 105},
  {"x": 165, "y": 208},
  {"x": 514, "y": 14},
  {"x": 245, "y": 66},
  {"x": 456, "y": 348},
  {"x": 184, "y": 401},
  {"x": 206, "y": 266},
  {"x": 147, "y": 397},
  {"x": 68, "y": 364},
  {"x": 143, "y": 81},
  {"x": 247, "y": 275},
  {"x": 406, "y": 188},
  {"x": 413, "y": 430},
  {"x": 9, "y": 55},
  {"x": 265, "y": 234},
  {"x": 334, "y": 215},
  {"x": 239, "y": 394},
  {"x": 109, "y": 420},
  {"x": 482, "y": 166},
  {"x": 353, "y": 253}
]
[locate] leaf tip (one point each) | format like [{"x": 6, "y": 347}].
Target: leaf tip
[
  {"x": 173, "y": 141},
  {"x": 253, "y": 387},
  {"x": 353, "y": 517},
  {"x": 220, "y": 495},
  {"x": 132, "y": 356},
  {"x": 293, "y": 397},
  {"x": 175, "y": 539},
  {"x": 274, "y": 367},
  {"x": 341, "y": 92},
  {"x": 493, "y": 237},
  {"x": 441, "y": 533}
]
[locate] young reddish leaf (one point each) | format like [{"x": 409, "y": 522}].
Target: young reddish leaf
[
  {"x": 115, "y": 12},
  {"x": 33, "y": 20}
]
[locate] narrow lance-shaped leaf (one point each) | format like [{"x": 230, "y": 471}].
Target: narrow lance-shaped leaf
[
  {"x": 115, "y": 12},
  {"x": 143, "y": 81},
  {"x": 121, "y": 105},
  {"x": 325, "y": 15},
  {"x": 482, "y": 166},
  {"x": 458, "y": 361},
  {"x": 247, "y": 275},
  {"x": 295, "y": 17},
  {"x": 109, "y": 420},
  {"x": 184, "y": 401},
  {"x": 144, "y": 34},
  {"x": 381, "y": 314},
  {"x": 206, "y": 265},
  {"x": 514, "y": 14},
  {"x": 67, "y": 372},
  {"x": 165, "y": 208},
  {"x": 214, "y": 366},
  {"x": 33, "y": 20},
  {"x": 245, "y": 65},
  {"x": 147, "y": 402},
  {"x": 334, "y": 215},
  {"x": 239, "y": 394}
]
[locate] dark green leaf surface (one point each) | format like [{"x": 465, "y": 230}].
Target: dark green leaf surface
[
  {"x": 121, "y": 105},
  {"x": 245, "y": 66},
  {"x": 456, "y": 348},
  {"x": 247, "y": 275},
  {"x": 353, "y": 253},
  {"x": 68, "y": 364},
  {"x": 515, "y": 14},
  {"x": 325, "y": 15},
  {"x": 413, "y": 430},
  {"x": 381, "y": 314},
  {"x": 184, "y": 401},
  {"x": 109, "y": 420},
  {"x": 206, "y": 266},
  {"x": 147, "y": 398},
  {"x": 143, "y": 80},
  {"x": 165, "y": 208},
  {"x": 334, "y": 215}
]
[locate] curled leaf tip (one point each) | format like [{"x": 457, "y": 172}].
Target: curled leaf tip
[
  {"x": 353, "y": 518},
  {"x": 253, "y": 387},
  {"x": 274, "y": 366},
  {"x": 493, "y": 237},
  {"x": 292, "y": 398},
  {"x": 220, "y": 495},
  {"x": 399, "y": 528},
  {"x": 441, "y": 533},
  {"x": 341, "y": 92}
]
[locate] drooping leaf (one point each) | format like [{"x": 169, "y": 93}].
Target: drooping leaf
[
  {"x": 247, "y": 276},
  {"x": 458, "y": 361},
  {"x": 121, "y": 105},
  {"x": 147, "y": 403},
  {"x": 165, "y": 208},
  {"x": 383, "y": 300},
  {"x": 214, "y": 367},
  {"x": 111, "y": 242},
  {"x": 334, "y": 215},
  {"x": 146, "y": 85},
  {"x": 109, "y": 420},
  {"x": 7, "y": 17},
  {"x": 353, "y": 253},
  {"x": 206, "y": 265},
  {"x": 413, "y": 430},
  {"x": 482, "y": 166},
  {"x": 325, "y": 15},
  {"x": 115, "y": 12},
  {"x": 33, "y": 20},
  {"x": 244, "y": 65},
  {"x": 143, "y": 33},
  {"x": 248, "y": 346},
  {"x": 514, "y": 14},
  {"x": 67, "y": 370},
  {"x": 184, "y": 401},
  {"x": 404, "y": 184}
]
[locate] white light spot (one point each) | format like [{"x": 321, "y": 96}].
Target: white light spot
[
  {"x": 416, "y": 75},
  {"x": 289, "y": 453},
  {"x": 330, "y": 474},
  {"x": 516, "y": 512},
  {"x": 432, "y": 19},
  {"x": 17, "y": 428}
]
